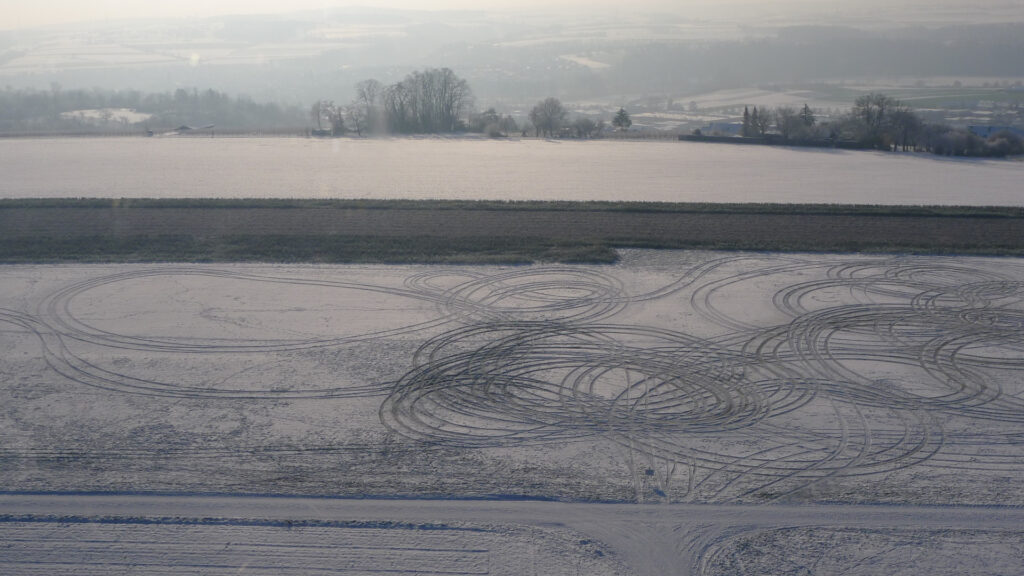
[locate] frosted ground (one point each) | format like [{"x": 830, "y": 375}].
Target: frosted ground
[
  {"x": 468, "y": 169},
  {"x": 688, "y": 382}
]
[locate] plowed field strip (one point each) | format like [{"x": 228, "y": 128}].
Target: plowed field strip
[{"x": 366, "y": 234}]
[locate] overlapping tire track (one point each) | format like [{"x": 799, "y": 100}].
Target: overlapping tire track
[
  {"x": 952, "y": 327},
  {"x": 836, "y": 368},
  {"x": 61, "y": 331}
]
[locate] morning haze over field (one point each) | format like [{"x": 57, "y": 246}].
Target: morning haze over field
[
  {"x": 22, "y": 15},
  {"x": 512, "y": 288},
  {"x": 943, "y": 78},
  {"x": 512, "y": 53}
]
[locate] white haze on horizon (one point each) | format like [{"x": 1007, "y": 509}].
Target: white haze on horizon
[{"x": 21, "y": 14}]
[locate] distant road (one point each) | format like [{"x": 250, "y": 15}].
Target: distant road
[{"x": 653, "y": 540}]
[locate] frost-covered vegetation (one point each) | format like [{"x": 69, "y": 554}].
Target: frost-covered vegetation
[
  {"x": 98, "y": 110},
  {"x": 876, "y": 121}
]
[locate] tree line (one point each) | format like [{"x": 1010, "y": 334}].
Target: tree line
[
  {"x": 436, "y": 100},
  {"x": 550, "y": 118},
  {"x": 58, "y": 109},
  {"x": 875, "y": 121},
  {"x": 430, "y": 101}
]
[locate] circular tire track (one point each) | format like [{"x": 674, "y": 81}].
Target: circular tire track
[
  {"x": 870, "y": 359},
  {"x": 945, "y": 324}
]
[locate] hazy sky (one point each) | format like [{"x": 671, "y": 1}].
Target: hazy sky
[{"x": 16, "y": 14}]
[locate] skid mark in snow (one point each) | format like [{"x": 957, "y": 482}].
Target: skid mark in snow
[
  {"x": 675, "y": 377},
  {"x": 85, "y": 534},
  {"x": 83, "y": 545},
  {"x": 867, "y": 550},
  {"x": 803, "y": 394}
]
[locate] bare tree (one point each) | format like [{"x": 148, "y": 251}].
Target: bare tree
[
  {"x": 336, "y": 116},
  {"x": 883, "y": 122},
  {"x": 870, "y": 114},
  {"x": 366, "y": 105},
  {"x": 904, "y": 126},
  {"x": 454, "y": 98},
  {"x": 397, "y": 105},
  {"x": 356, "y": 117},
  {"x": 584, "y": 127},
  {"x": 433, "y": 100},
  {"x": 484, "y": 120},
  {"x": 508, "y": 124},
  {"x": 332, "y": 113},
  {"x": 760, "y": 121},
  {"x": 788, "y": 122},
  {"x": 871, "y": 110},
  {"x": 316, "y": 113},
  {"x": 548, "y": 116}
]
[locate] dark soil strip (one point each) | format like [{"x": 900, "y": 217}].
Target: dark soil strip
[
  {"x": 486, "y": 232},
  {"x": 528, "y": 205}
]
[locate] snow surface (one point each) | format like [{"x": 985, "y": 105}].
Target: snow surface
[
  {"x": 476, "y": 169},
  {"x": 174, "y": 534},
  {"x": 723, "y": 401}
]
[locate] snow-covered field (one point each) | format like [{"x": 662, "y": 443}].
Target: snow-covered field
[
  {"x": 671, "y": 379},
  {"x": 473, "y": 169},
  {"x": 78, "y": 545},
  {"x": 174, "y": 534}
]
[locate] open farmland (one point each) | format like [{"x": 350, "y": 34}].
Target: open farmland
[
  {"x": 498, "y": 170},
  {"x": 140, "y": 230},
  {"x": 687, "y": 381}
]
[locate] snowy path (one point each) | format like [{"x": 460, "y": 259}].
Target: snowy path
[{"x": 648, "y": 539}]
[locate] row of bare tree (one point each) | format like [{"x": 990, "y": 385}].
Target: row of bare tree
[
  {"x": 437, "y": 101},
  {"x": 875, "y": 121},
  {"x": 550, "y": 118},
  {"x": 434, "y": 100}
]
